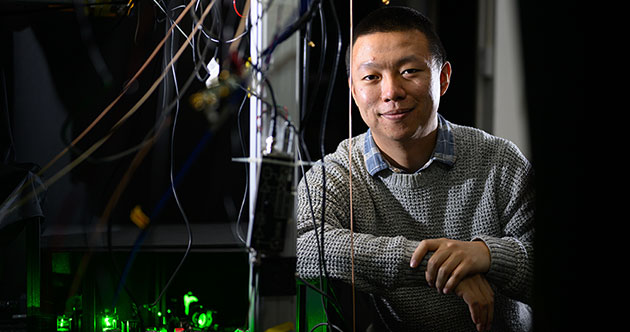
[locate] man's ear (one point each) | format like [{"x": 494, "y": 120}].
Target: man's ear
[
  {"x": 350, "y": 87},
  {"x": 445, "y": 77}
]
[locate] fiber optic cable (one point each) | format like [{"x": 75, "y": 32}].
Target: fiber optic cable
[
  {"x": 5, "y": 209},
  {"x": 120, "y": 188},
  {"x": 117, "y": 125},
  {"x": 87, "y": 257}
]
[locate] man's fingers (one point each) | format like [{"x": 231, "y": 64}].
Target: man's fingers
[
  {"x": 472, "y": 299},
  {"x": 446, "y": 273},
  {"x": 489, "y": 294},
  {"x": 456, "y": 276},
  {"x": 485, "y": 305},
  {"x": 421, "y": 250},
  {"x": 434, "y": 265},
  {"x": 418, "y": 254},
  {"x": 479, "y": 297}
]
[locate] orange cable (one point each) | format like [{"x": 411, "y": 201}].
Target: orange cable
[
  {"x": 350, "y": 179},
  {"x": 100, "y": 142},
  {"x": 126, "y": 87},
  {"x": 17, "y": 192}
]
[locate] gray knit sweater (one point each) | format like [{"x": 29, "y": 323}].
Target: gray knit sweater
[{"x": 485, "y": 195}]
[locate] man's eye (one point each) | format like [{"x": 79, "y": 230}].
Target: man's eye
[
  {"x": 410, "y": 71},
  {"x": 369, "y": 77}
]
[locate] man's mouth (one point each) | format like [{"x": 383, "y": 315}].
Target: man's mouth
[{"x": 395, "y": 114}]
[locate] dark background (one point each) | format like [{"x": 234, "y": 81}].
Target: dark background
[{"x": 213, "y": 187}]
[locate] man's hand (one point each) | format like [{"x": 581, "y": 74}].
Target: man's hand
[
  {"x": 477, "y": 293},
  {"x": 452, "y": 261}
]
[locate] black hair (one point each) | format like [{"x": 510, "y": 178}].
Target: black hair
[{"x": 395, "y": 19}]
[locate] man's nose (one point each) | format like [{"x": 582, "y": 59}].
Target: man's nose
[{"x": 392, "y": 88}]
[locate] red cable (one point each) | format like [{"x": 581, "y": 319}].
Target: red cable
[{"x": 236, "y": 10}]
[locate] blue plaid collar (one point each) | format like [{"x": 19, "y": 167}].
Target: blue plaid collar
[{"x": 444, "y": 151}]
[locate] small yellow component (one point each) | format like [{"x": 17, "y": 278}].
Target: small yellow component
[
  {"x": 224, "y": 91},
  {"x": 386, "y": 2},
  {"x": 130, "y": 5},
  {"x": 224, "y": 75},
  {"x": 199, "y": 100},
  {"x": 196, "y": 101},
  {"x": 284, "y": 327},
  {"x": 139, "y": 217},
  {"x": 311, "y": 44}
]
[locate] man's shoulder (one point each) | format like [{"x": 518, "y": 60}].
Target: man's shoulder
[
  {"x": 356, "y": 143},
  {"x": 468, "y": 133},
  {"x": 338, "y": 163},
  {"x": 340, "y": 158},
  {"x": 479, "y": 143}
]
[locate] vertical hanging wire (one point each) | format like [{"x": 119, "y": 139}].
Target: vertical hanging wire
[{"x": 350, "y": 176}]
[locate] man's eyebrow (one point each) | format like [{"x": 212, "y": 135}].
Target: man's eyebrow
[
  {"x": 407, "y": 59},
  {"x": 369, "y": 64},
  {"x": 399, "y": 62}
]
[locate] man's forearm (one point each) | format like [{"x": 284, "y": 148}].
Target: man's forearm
[{"x": 379, "y": 262}]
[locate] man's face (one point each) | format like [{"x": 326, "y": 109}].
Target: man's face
[{"x": 396, "y": 85}]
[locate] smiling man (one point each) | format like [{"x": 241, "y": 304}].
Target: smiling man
[{"x": 442, "y": 213}]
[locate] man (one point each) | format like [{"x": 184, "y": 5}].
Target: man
[{"x": 442, "y": 214}]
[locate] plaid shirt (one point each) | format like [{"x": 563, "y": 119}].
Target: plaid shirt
[{"x": 444, "y": 151}]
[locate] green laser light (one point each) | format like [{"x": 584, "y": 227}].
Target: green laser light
[
  {"x": 108, "y": 322},
  {"x": 63, "y": 323},
  {"x": 188, "y": 299},
  {"x": 203, "y": 319}
]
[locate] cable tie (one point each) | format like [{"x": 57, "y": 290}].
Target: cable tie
[{"x": 214, "y": 69}]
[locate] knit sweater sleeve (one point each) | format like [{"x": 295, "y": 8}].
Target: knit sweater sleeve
[
  {"x": 512, "y": 254},
  {"x": 380, "y": 263}
]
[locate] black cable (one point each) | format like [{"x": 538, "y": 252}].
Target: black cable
[
  {"x": 181, "y": 209},
  {"x": 317, "y": 238},
  {"x": 322, "y": 254},
  {"x": 163, "y": 115},
  {"x": 308, "y": 110},
  {"x": 274, "y": 110},
  {"x": 322, "y": 135},
  {"x": 325, "y": 115},
  {"x": 191, "y": 77},
  {"x": 323, "y": 294},
  {"x": 242, "y": 141},
  {"x": 274, "y": 106},
  {"x": 321, "y": 274},
  {"x": 305, "y": 71},
  {"x": 325, "y": 324},
  {"x": 319, "y": 250},
  {"x": 228, "y": 41},
  {"x": 320, "y": 68},
  {"x": 303, "y": 20},
  {"x": 292, "y": 28},
  {"x": 175, "y": 193},
  {"x": 323, "y": 154}
]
